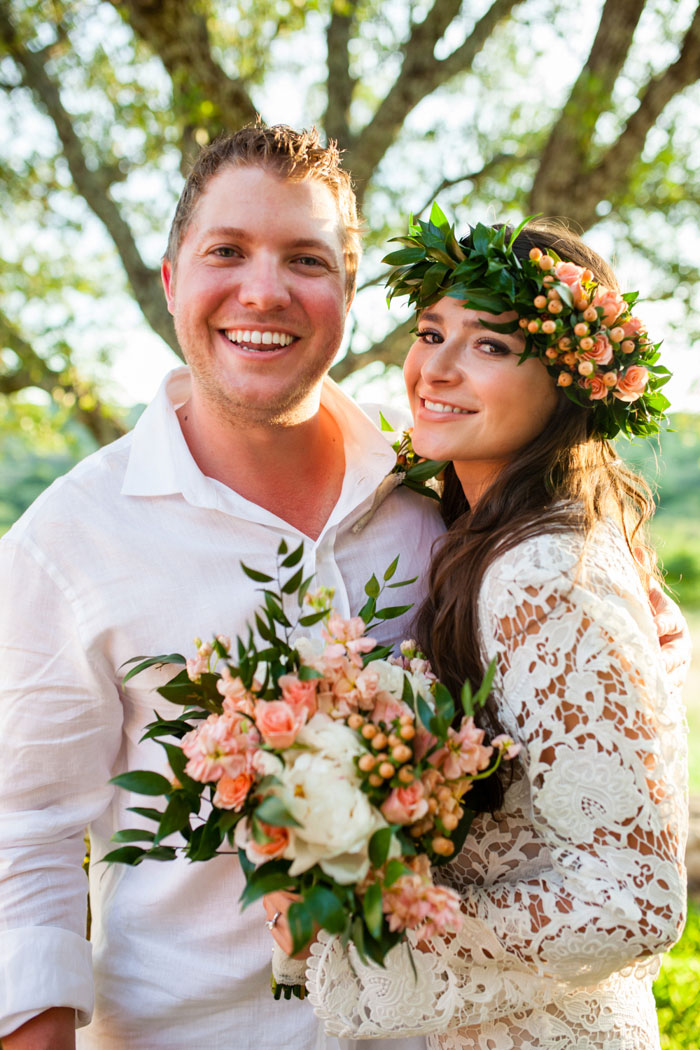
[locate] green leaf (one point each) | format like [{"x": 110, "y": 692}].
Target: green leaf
[
  {"x": 149, "y": 814},
  {"x": 392, "y": 611},
  {"x": 326, "y": 909},
  {"x": 133, "y": 835},
  {"x": 482, "y": 694},
  {"x": 444, "y": 704},
  {"x": 428, "y": 468},
  {"x": 372, "y": 588},
  {"x": 272, "y": 810},
  {"x": 467, "y": 699},
  {"x": 358, "y": 938},
  {"x": 204, "y": 841},
  {"x": 379, "y": 846},
  {"x": 161, "y": 853},
  {"x": 394, "y": 870},
  {"x": 253, "y": 574},
  {"x": 152, "y": 661},
  {"x": 294, "y": 558},
  {"x": 294, "y": 582},
  {"x": 176, "y": 816},
  {"x": 425, "y": 713},
  {"x": 312, "y": 618},
  {"x": 307, "y": 674},
  {"x": 125, "y": 855},
  {"x": 143, "y": 782},
  {"x": 366, "y": 613},
  {"x": 301, "y": 925},
  {"x": 266, "y": 879},
  {"x": 388, "y": 573},
  {"x": 372, "y": 909},
  {"x": 282, "y": 549},
  {"x": 384, "y": 423}
]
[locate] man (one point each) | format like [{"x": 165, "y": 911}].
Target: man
[{"x": 138, "y": 550}]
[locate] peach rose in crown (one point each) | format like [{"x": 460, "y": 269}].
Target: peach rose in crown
[
  {"x": 611, "y": 303},
  {"x": 632, "y": 384},
  {"x": 633, "y": 327},
  {"x": 299, "y": 695},
  {"x": 597, "y": 389},
  {"x": 278, "y": 722},
  {"x": 602, "y": 351},
  {"x": 568, "y": 272},
  {"x": 231, "y": 792},
  {"x": 405, "y": 805}
]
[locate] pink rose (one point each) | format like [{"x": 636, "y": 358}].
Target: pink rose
[
  {"x": 259, "y": 852},
  {"x": 631, "y": 385},
  {"x": 568, "y": 272},
  {"x": 611, "y": 303},
  {"x": 231, "y": 792},
  {"x": 405, "y": 805},
  {"x": 299, "y": 695},
  {"x": 602, "y": 351},
  {"x": 597, "y": 387},
  {"x": 278, "y": 722}
]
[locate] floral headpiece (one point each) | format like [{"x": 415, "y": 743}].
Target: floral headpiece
[{"x": 583, "y": 332}]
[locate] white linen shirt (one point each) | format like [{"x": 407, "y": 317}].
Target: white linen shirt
[{"x": 135, "y": 552}]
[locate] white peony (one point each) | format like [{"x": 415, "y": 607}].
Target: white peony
[{"x": 333, "y": 739}]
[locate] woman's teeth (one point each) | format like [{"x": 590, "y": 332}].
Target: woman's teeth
[
  {"x": 438, "y": 406},
  {"x": 255, "y": 340}
]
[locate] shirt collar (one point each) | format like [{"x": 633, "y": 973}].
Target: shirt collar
[{"x": 160, "y": 463}]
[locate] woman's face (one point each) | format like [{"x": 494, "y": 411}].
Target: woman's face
[{"x": 472, "y": 402}]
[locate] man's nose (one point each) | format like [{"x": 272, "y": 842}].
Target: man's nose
[{"x": 263, "y": 285}]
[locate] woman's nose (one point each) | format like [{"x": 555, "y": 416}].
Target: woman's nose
[{"x": 440, "y": 365}]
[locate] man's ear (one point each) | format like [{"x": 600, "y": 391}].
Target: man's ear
[{"x": 168, "y": 278}]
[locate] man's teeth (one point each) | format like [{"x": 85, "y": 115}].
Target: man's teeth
[
  {"x": 255, "y": 338},
  {"x": 437, "y": 406}
]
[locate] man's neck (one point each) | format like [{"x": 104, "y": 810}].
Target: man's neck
[{"x": 295, "y": 471}]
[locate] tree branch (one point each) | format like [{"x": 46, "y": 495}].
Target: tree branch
[
  {"x": 177, "y": 33},
  {"x": 93, "y": 185},
  {"x": 33, "y": 371},
  {"x": 336, "y": 121},
  {"x": 421, "y": 73},
  {"x": 391, "y": 350}
]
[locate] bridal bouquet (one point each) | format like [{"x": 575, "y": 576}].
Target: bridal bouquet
[{"x": 336, "y": 770}]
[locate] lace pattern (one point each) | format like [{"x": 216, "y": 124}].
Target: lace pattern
[{"x": 571, "y": 890}]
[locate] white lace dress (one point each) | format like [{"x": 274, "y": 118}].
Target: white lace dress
[{"x": 575, "y": 887}]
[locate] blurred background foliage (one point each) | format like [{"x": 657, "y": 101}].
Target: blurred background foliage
[{"x": 503, "y": 108}]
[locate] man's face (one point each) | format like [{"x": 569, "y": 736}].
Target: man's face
[{"x": 258, "y": 295}]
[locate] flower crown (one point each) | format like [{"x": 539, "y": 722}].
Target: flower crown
[{"x": 585, "y": 333}]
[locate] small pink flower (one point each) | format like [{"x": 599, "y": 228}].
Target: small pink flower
[
  {"x": 219, "y": 746},
  {"x": 602, "y": 351},
  {"x": 507, "y": 745},
  {"x": 231, "y": 792},
  {"x": 387, "y": 708},
  {"x": 631, "y": 385},
  {"x": 299, "y": 695},
  {"x": 278, "y": 722},
  {"x": 236, "y": 696},
  {"x": 405, "y": 805},
  {"x": 413, "y": 903},
  {"x": 465, "y": 754},
  {"x": 597, "y": 389},
  {"x": 259, "y": 852},
  {"x": 611, "y": 303},
  {"x": 422, "y": 742},
  {"x": 342, "y": 630}
]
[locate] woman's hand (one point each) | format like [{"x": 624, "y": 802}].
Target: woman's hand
[
  {"x": 276, "y": 907},
  {"x": 674, "y": 636}
]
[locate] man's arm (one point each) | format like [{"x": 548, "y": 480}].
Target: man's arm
[{"x": 52, "y": 1030}]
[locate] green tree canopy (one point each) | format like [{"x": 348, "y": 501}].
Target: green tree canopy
[{"x": 502, "y": 107}]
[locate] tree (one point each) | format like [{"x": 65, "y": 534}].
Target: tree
[{"x": 527, "y": 105}]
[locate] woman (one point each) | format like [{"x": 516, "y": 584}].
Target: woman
[{"x": 572, "y": 878}]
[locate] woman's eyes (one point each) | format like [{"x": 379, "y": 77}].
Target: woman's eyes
[
  {"x": 429, "y": 336},
  {"x": 491, "y": 347}
]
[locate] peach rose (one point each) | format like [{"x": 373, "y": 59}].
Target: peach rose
[
  {"x": 596, "y": 386},
  {"x": 278, "y": 722},
  {"x": 259, "y": 852},
  {"x": 405, "y": 805},
  {"x": 568, "y": 272},
  {"x": 633, "y": 327},
  {"x": 299, "y": 695},
  {"x": 231, "y": 792},
  {"x": 601, "y": 351},
  {"x": 611, "y": 303},
  {"x": 632, "y": 384}
]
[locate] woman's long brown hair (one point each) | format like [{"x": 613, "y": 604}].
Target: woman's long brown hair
[{"x": 562, "y": 480}]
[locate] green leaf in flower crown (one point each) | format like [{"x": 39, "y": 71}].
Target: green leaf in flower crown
[
  {"x": 143, "y": 782},
  {"x": 372, "y": 909},
  {"x": 379, "y": 846}
]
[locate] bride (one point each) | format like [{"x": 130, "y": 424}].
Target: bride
[{"x": 527, "y": 360}]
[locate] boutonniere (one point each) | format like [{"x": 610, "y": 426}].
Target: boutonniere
[{"x": 410, "y": 470}]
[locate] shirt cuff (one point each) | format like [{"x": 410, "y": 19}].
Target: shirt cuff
[{"x": 41, "y": 967}]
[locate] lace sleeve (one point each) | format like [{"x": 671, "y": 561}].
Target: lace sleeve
[{"x": 594, "y": 880}]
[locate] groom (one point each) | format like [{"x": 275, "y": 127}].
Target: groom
[{"x": 137, "y": 551}]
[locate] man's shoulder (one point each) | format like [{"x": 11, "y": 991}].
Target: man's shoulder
[{"x": 95, "y": 481}]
